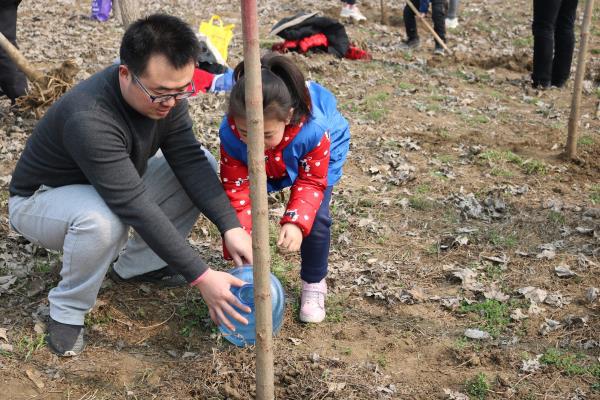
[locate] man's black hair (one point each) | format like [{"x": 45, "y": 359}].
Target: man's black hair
[{"x": 158, "y": 34}]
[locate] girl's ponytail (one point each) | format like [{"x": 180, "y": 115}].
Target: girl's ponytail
[{"x": 284, "y": 88}]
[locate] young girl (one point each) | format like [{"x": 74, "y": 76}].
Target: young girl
[{"x": 306, "y": 142}]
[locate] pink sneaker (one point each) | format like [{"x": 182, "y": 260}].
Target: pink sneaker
[{"x": 312, "y": 301}]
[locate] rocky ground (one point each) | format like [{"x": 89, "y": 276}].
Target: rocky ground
[{"x": 465, "y": 257}]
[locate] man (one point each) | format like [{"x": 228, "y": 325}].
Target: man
[
  {"x": 410, "y": 23},
  {"x": 92, "y": 168},
  {"x": 12, "y": 81}
]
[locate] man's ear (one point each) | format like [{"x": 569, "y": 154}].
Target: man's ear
[{"x": 124, "y": 71}]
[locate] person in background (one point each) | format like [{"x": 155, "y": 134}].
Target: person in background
[
  {"x": 118, "y": 151},
  {"x": 452, "y": 17},
  {"x": 553, "y": 42},
  {"x": 350, "y": 10},
  {"x": 306, "y": 143},
  {"x": 12, "y": 81},
  {"x": 412, "y": 40}
]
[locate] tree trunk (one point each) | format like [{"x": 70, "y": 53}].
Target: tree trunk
[
  {"x": 129, "y": 11},
  {"x": 571, "y": 147},
  {"x": 258, "y": 196},
  {"x": 116, "y": 7}
]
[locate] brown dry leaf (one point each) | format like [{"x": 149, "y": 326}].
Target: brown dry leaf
[
  {"x": 35, "y": 378},
  {"x": 533, "y": 294},
  {"x": 495, "y": 294},
  {"x": 335, "y": 386},
  {"x": 3, "y": 334}
]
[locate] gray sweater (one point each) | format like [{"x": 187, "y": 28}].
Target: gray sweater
[{"x": 92, "y": 136}]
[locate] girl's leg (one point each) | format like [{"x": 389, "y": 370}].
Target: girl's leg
[
  {"x": 315, "y": 254},
  {"x": 315, "y": 247}
]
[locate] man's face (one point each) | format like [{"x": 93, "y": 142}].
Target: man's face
[{"x": 159, "y": 78}]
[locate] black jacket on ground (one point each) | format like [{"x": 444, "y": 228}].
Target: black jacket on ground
[{"x": 334, "y": 30}]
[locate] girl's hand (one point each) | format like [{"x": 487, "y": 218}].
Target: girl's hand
[
  {"x": 290, "y": 237},
  {"x": 239, "y": 244}
]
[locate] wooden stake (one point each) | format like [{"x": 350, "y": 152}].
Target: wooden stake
[
  {"x": 384, "y": 18},
  {"x": 433, "y": 32},
  {"x": 15, "y": 55},
  {"x": 571, "y": 146},
  {"x": 129, "y": 11},
  {"x": 258, "y": 196}
]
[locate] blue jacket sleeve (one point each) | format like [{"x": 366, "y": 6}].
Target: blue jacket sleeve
[{"x": 424, "y": 6}]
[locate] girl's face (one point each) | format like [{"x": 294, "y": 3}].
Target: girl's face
[{"x": 274, "y": 130}]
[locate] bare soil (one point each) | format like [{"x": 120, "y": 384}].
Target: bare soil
[{"x": 453, "y": 199}]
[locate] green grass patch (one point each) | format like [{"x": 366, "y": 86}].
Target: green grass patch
[
  {"x": 493, "y": 315},
  {"x": 420, "y": 203},
  {"x": 446, "y": 158},
  {"x": 570, "y": 364},
  {"x": 406, "y": 86},
  {"x": 530, "y": 166},
  {"x": 586, "y": 140},
  {"x": 501, "y": 172},
  {"x": 27, "y": 345},
  {"x": 194, "y": 313},
  {"x": 375, "y": 106},
  {"x": 595, "y": 194},
  {"x": 336, "y": 307},
  {"x": 478, "y": 387},
  {"x": 492, "y": 271},
  {"x": 556, "y": 217},
  {"x": 523, "y": 42},
  {"x": 423, "y": 188},
  {"x": 534, "y": 167},
  {"x": 501, "y": 156},
  {"x": 500, "y": 240}
]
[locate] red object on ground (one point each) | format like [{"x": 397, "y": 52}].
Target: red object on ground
[
  {"x": 202, "y": 80},
  {"x": 355, "y": 53}
]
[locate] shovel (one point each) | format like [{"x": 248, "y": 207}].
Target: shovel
[
  {"x": 435, "y": 35},
  {"x": 45, "y": 88}
]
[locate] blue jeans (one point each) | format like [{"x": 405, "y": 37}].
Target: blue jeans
[{"x": 315, "y": 247}]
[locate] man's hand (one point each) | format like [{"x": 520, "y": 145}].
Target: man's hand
[
  {"x": 239, "y": 244},
  {"x": 214, "y": 288},
  {"x": 290, "y": 237}
]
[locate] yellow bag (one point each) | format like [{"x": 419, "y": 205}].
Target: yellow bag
[{"x": 218, "y": 35}]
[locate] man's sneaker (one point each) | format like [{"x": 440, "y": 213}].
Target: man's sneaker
[
  {"x": 352, "y": 11},
  {"x": 541, "y": 85},
  {"x": 312, "y": 301},
  {"x": 451, "y": 23},
  {"x": 439, "y": 50},
  {"x": 410, "y": 44},
  {"x": 164, "y": 277},
  {"x": 65, "y": 340}
]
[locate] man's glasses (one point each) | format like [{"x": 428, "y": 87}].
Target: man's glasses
[{"x": 165, "y": 97}]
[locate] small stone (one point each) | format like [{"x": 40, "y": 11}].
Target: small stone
[
  {"x": 591, "y": 295},
  {"x": 476, "y": 334}
]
